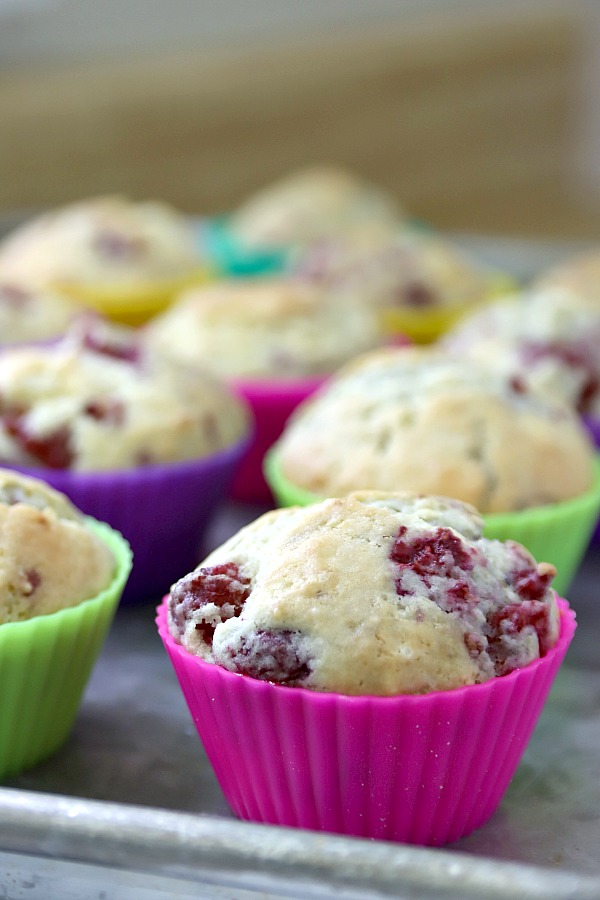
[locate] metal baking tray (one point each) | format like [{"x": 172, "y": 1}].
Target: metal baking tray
[{"x": 129, "y": 809}]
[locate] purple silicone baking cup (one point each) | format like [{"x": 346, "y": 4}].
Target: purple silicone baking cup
[
  {"x": 593, "y": 426},
  {"x": 163, "y": 511},
  {"x": 425, "y": 769}
]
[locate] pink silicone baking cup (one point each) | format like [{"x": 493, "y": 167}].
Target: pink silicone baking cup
[
  {"x": 272, "y": 402},
  {"x": 424, "y": 769},
  {"x": 163, "y": 511}
]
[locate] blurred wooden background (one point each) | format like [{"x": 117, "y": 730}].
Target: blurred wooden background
[{"x": 469, "y": 121}]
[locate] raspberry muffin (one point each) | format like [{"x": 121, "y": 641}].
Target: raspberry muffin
[
  {"x": 419, "y": 419},
  {"x": 445, "y": 606},
  {"x": 61, "y": 576},
  {"x": 123, "y": 258},
  {"x": 377, "y": 626},
  {"x": 419, "y": 283},
  {"x": 274, "y": 340},
  {"x": 33, "y": 314},
  {"x": 143, "y": 443},
  {"x": 99, "y": 400},
  {"x": 422, "y": 420},
  {"x": 544, "y": 339},
  {"x": 275, "y": 327},
  {"x": 50, "y": 558},
  {"x": 309, "y": 204},
  {"x": 579, "y": 275}
]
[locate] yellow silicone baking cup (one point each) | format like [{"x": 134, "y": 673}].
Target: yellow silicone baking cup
[
  {"x": 424, "y": 326},
  {"x": 558, "y": 533},
  {"x": 136, "y": 303}
]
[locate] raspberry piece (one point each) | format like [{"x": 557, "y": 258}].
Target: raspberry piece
[
  {"x": 126, "y": 352},
  {"x": 459, "y": 597},
  {"x": 33, "y": 579},
  {"x": 14, "y": 296},
  {"x": 576, "y": 356},
  {"x": 223, "y": 587},
  {"x": 511, "y": 621},
  {"x": 51, "y": 450},
  {"x": 272, "y": 656},
  {"x": 517, "y": 385},
  {"x": 438, "y": 554},
  {"x": 417, "y": 294},
  {"x": 106, "y": 409},
  {"x": 118, "y": 247},
  {"x": 532, "y": 584}
]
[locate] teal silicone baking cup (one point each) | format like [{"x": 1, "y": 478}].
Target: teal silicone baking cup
[
  {"x": 45, "y": 663},
  {"x": 231, "y": 258},
  {"x": 558, "y": 533}
]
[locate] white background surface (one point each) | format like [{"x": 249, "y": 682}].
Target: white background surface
[{"x": 34, "y": 31}]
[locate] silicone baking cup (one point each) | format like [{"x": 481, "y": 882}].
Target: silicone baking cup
[
  {"x": 272, "y": 402},
  {"x": 592, "y": 424},
  {"x": 45, "y": 663},
  {"x": 228, "y": 256},
  {"x": 424, "y": 769},
  {"x": 136, "y": 303},
  {"x": 558, "y": 533},
  {"x": 424, "y": 326},
  {"x": 162, "y": 510}
]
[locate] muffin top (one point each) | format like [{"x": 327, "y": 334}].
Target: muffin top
[
  {"x": 265, "y": 327},
  {"x": 101, "y": 241},
  {"x": 579, "y": 275},
  {"x": 309, "y": 204},
  {"x": 374, "y": 593},
  {"x": 30, "y": 313},
  {"x": 407, "y": 269},
  {"x": 541, "y": 338},
  {"x": 50, "y": 559},
  {"x": 418, "y": 419},
  {"x": 99, "y": 400}
]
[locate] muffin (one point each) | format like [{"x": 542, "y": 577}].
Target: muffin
[
  {"x": 418, "y": 419},
  {"x": 123, "y": 258},
  {"x": 312, "y": 203},
  {"x": 277, "y": 328},
  {"x": 98, "y": 400},
  {"x": 373, "y": 631},
  {"x": 50, "y": 558},
  {"x": 139, "y": 441},
  {"x": 543, "y": 338},
  {"x": 62, "y": 576},
  {"x": 579, "y": 274},
  {"x": 274, "y": 339},
  {"x": 257, "y": 238},
  {"x": 419, "y": 282},
  {"x": 32, "y": 314}
]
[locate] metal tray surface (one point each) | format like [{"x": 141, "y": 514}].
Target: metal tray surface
[
  {"x": 129, "y": 809},
  {"x": 132, "y": 791}
]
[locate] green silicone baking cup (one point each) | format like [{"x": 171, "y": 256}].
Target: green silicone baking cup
[
  {"x": 45, "y": 663},
  {"x": 558, "y": 533}
]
